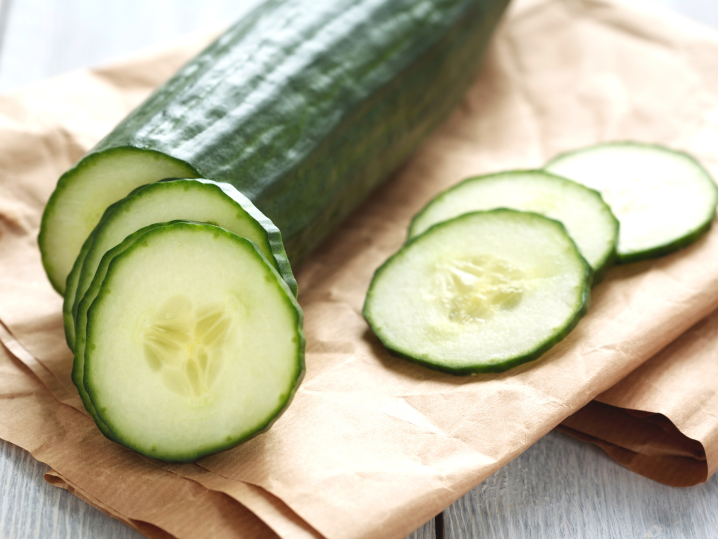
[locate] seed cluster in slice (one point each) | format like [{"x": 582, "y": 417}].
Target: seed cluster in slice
[
  {"x": 194, "y": 342},
  {"x": 664, "y": 199},
  {"x": 482, "y": 292}
]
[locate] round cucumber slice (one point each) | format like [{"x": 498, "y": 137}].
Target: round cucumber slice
[
  {"x": 664, "y": 199},
  {"x": 483, "y": 292},
  {"x": 587, "y": 218},
  {"x": 83, "y": 193},
  {"x": 194, "y": 343},
  {"x": 187, "y": 199}
]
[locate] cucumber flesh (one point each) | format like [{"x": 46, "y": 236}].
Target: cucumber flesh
[
  {"x": 482, "y": 292},
  {"x": 187, "y": 199},
  {"x": 664, "y": 199},
  {"x": 85, "y": 191},
  {"x": 78, "y": 365},
  {"x": 587, "y": 218},
  {"x": 194, "y": 343}
]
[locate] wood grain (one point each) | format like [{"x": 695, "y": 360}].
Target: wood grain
[
  {"x": 31, "y": 508},
  {"x": 561, "y": 487}
]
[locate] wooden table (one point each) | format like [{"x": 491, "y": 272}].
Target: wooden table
[{"x": 557, "y": 488}]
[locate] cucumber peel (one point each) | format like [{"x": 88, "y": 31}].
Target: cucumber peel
[{"x": 305, "y": 124}]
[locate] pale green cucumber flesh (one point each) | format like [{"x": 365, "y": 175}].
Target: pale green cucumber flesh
[
  {"x": 664, "y": 199},
  {"x": 483, "y": 292},
  {"x": 186, "y": 199},
  {"x": 78, "y": 364},
  {"x": 194, "y": 343},
  {"x": 85, "y": 191},
  {"x": 305, "y": 124},
  {"x": 587, "y": 218}
]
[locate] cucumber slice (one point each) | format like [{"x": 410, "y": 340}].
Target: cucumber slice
[
  {"x": 483, "y": 292},
  {"x": 76, "y": 205},
  {"x": 188, "y": 199},
  {"x": 587, "y": 218},
  {"x": 78, "y": 365},
  {"x": 664, "y": 199},
  {"x": 194, "y": 343}
]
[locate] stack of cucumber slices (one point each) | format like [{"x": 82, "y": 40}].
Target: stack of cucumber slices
[
  {"x": 498, "y": 269},
  {"x": 182, "y": 314}
]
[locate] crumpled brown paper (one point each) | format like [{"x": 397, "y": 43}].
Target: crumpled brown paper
[
  {"x": 373, "y": 446},
  {"x": 660, "y": 421}
]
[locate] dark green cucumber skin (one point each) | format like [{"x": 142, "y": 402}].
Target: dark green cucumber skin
[
  {"x": 541, "y": 349},
  {"x": 668, "y": 248},
  {"x": 306, "y": 105},
  {"x": 301, "y": 344},
  {"x": 598, "y": 274}
]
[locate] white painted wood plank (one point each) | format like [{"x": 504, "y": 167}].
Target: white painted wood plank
[
  {"x": 427, "y": 531},
  {"x": 48, "y": 37},
  {"x": 31, "y": 508},
  {"x": 561, "y": 488},
  {"x": 705, "y": 11}
]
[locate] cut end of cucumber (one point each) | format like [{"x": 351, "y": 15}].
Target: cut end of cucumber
[
  {"x": 202, "y": 352},
  {"x": 85, "y": 191},
  {"x": 664, "y": 199},
  {"x": 482, "y": 292}
]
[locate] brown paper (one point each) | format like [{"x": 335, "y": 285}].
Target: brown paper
[
  {"x": 631, "y": 420},
  {"x": 374, "y": 446}
]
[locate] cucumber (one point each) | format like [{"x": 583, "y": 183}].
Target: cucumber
[
  {"x": 187, "y": 199},
  {"x": 483, "y": 292},
  {"x": 304, "y": 106},
  {"x": 194, "y": 343},
  {"x": 587, "y": 218},
  {"x": 664, "y": 199}
]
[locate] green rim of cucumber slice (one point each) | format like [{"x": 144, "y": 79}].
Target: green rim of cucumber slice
[
  {"x": 587, "y": 218},
  {"x": 73, "y": 210},
  {"x": 483, "y": 292},
  {"x": 194, "y": 343},
  {"x": 663, "y": 198}
]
